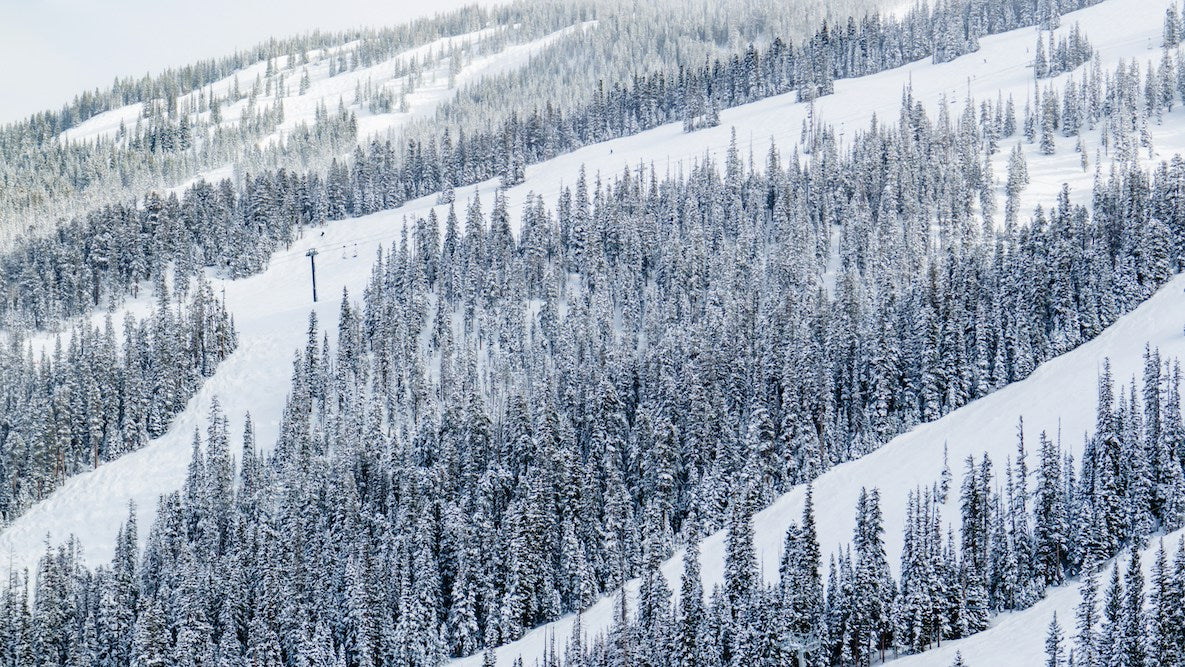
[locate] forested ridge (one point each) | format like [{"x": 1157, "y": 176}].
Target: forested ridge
[
  {"x": 250, "y": 113},
  {"x": 234, "y": 229}
]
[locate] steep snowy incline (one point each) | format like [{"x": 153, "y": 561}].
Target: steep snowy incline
[
  {"x": 424, "y": 101},
  {"x": 1018, "y": 638},
  {"x": 1059, "y": 397},
  {"x": 271, "y": 311}
]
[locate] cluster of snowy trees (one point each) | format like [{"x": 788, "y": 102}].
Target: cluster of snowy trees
[
  {"x": 1133, "y": 626},
  {"x": 1013, "y": 544},
  {"x": 509, "y": 427},
  {"x": 235, "y": 229},
  {"x": 96, "y": 261},
  {"x": 1123, "y": 104},
  {"x": 100, "y": 394},
  {"x": 1065, "y": 55}
]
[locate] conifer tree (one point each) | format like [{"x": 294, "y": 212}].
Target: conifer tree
[
  {"x": 1131, "y": 649},
  {"x": 1087, "y": 618},
  {"x": 1054, "y": 652}
]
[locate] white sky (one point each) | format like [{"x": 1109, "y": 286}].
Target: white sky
[{"x": 51, "y": 50}]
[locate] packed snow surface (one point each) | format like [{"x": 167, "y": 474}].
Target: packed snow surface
[{"x": 271, "y": 311}]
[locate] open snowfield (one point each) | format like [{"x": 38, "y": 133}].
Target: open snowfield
[{"x": 271, "y": 311}]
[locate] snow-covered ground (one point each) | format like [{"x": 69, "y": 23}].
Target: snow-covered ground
[
  {"x": 104, "y": 124},
  {"x": 271, "y": 308}
]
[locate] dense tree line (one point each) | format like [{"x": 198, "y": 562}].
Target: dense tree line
[
  {"x": 431, "y": 161},
  {"x": 1013, "y": 544},
  {"x": 101, "y": 393},
  {"x": 1064, "y": 55},
  {"x": 179, "y": 132},
  {"x": 509, "y": 427}
]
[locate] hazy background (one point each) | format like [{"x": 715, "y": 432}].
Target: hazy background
[{"x": 51, "y": 50}]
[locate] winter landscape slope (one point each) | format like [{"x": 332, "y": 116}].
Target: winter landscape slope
[
  {"x": 345, "y": 94},
  {"x": 1059, "y": 397},
  {"x": 57, "y": 44},
  {"x": 327, "y": 89},
  {"x": 271, "y": 310},
  {"x": 432, "y": 78}
]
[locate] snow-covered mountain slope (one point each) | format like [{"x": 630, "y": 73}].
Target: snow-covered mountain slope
[
  {"x": 1059, "y": 397},
  {"x": 433, "y": 59},
  {"x": 375, "y": 88},
  {"x": 271, "y": 310},
  {"x": 1019, "y": 638},
  {"x": 59, "y": 48}
]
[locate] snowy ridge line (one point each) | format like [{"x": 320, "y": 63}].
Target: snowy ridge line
[
  {"x": 206, "y": 146},
  {"x": 300, "y": 108},
  {"x": 106, "y": 122}
]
